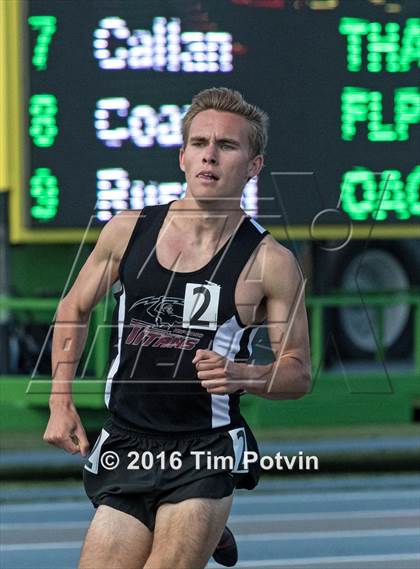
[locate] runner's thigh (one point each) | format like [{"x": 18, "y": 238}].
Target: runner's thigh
[
  {"x": 115, "y": 540},
  {"x": 187, "y": 532}
]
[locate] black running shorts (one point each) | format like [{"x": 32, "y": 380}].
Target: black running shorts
[{"x": 136, "y": 472}]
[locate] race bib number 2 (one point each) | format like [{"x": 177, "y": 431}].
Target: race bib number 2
[{"x": 201, "y": 305}]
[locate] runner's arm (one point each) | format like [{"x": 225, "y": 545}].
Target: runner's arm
[
  {"x": 289, "y": 376},
  {"x": 70, "y": 331}
]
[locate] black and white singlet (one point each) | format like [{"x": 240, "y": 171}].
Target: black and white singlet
[{"x": 162, "y": 318}]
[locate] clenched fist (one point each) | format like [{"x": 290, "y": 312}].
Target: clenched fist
[
  {"x": 217, "y": 374},
  {"x": 65, "y": 430}
]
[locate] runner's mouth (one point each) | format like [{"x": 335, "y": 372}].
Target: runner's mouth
[{"x": 206, "y": 175}]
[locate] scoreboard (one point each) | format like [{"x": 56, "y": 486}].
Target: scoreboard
[{"x": 99, "y": 88}]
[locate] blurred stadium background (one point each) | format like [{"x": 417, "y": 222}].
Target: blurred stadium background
[{"x": 91, "y": 98}]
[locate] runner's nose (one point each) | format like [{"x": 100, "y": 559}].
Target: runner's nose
[
  {"x": 209, "y": 161},
  {"x": 210, "y": 155}
]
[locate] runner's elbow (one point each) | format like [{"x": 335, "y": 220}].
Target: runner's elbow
[
  {"x": 70, "y": 311},
  {"x": 305, "y": 384}
]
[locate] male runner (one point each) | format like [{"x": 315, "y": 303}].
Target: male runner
[{"x": 196, "y": 277}]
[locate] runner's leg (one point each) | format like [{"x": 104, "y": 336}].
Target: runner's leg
[
  {"x": 115, "y": 540},
  {"x": 186, "y": 533}
]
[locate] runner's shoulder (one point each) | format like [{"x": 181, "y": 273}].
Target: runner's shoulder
[
  {"x": 271, "y": 250},
  {"x": 277, "y": 264},
  {"x": 116, "y": 233}
]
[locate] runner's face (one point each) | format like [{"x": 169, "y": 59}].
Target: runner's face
[{"x": 216, "y": 159}]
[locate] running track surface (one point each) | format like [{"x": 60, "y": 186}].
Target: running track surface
[{"x": 311, "y": 522}]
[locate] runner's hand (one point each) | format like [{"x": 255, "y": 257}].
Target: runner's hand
[
  {"x": 219, "y": 375},
  {"x": 65, "y": 430}
]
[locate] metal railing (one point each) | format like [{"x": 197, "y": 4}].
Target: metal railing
[
  {"x": 378, "y": 300},
  {"x": 316, "y": 305}
]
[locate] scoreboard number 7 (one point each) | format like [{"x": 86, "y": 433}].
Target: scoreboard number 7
[{"x": 46, "y": 25}]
